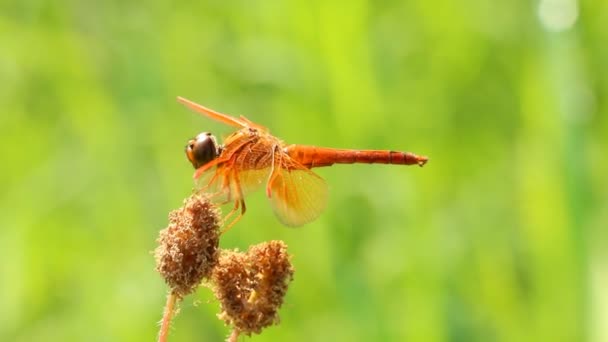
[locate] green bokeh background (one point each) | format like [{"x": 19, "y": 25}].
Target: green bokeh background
[{"x": 501, "y": 237}]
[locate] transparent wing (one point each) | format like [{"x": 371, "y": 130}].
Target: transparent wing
[
  {"x": 252, "y": 180},
  {"x": 214, "y": 182},
  {"x": 224, "y": 118},
  {"x": 297, "y": 195}
]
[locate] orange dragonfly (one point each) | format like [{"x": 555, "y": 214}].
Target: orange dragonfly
[{"x": 251, "y": 158}]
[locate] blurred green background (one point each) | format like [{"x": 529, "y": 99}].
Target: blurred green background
[{"x": 501, "y": 237}]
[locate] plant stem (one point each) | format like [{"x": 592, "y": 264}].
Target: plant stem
[
  {"x": 167, "y": 316},
  {"x": 234, "y": 336}
]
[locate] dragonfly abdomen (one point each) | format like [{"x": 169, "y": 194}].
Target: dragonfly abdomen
[{"x": 312, "y": 156}]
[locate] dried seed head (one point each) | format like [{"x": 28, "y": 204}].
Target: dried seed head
[
  {"x": 250, "y": 286},
  {"x": 188, "y": 247}
]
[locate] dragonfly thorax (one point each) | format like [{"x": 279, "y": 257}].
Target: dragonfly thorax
[{"x": 202, "y": 149}]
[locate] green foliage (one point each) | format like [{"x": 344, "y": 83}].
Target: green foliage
[{"x": 501, "y": 237}]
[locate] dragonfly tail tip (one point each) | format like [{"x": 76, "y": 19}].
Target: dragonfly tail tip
[{"x": 422, "y": 160}]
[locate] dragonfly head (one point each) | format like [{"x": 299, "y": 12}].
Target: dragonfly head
[{"x": 202, "y": 149}]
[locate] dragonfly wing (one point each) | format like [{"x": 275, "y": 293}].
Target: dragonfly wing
[
  {"x": 214, "y": 182},
  {"x": 253, "y": 165},
  {"x": 297, "y": 195},
  {"x": 228, "y": 182},
  {"x": 252, "y": 180},
  {"x": 224, "y": 118}
]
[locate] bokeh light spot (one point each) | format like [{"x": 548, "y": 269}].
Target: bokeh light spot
[{"x": 558, "y": 15}]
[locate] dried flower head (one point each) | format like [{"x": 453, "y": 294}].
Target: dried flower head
[
  {"x": 188, "y": 247},
  {"x": 250, "y": 286}
]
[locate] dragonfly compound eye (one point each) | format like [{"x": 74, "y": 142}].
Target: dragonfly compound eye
[{"x": 202, "y": 149}]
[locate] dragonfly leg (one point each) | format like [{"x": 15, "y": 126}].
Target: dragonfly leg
[
  {"x": 238, "y": 202},
  {"x": 218, "y": 194},
  {"x": 273, "y": 173},
  {"x": 208, "y": 185},
  {"x": 224, "y": 190},
  {"x": 232, "y": 211}
]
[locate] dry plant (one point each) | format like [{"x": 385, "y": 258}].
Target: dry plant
[{"x": 250, "y": 286}]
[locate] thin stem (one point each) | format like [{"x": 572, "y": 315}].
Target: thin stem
[
  {"x": 167, "y": 316},
  {"x": 234, "y": 336}
]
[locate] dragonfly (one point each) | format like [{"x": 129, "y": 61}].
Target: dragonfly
[{"x": 251, "y": 158}]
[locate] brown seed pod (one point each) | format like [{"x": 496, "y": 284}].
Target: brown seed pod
[
  {"x": 188, "y": 247},
  {"x": 250, "y": 286}
]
